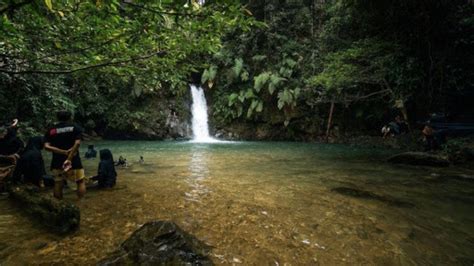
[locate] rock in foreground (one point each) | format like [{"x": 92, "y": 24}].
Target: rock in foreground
[
  {"x": 420, "y": 158},
  {"x": 60, "y": 216},
  {"x": 160, "y": 243}
]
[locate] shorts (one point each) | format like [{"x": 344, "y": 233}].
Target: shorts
[{"x": 73, "y": 175}]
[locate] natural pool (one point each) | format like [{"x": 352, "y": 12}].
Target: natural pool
[{"x": 263, "y": 203}]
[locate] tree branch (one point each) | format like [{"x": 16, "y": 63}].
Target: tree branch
[
  {"x": 358, "y": 98},
  {"x": 73, "y": 51},
  {"x": 69, "y": 71},
  {"x": 160, "y": 11}
]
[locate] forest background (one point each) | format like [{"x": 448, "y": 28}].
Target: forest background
[{"x": 272, "y": 70}]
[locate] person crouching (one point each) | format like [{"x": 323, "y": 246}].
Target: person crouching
[{"x": 106, "y": 175}]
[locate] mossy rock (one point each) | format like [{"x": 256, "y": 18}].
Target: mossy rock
[
  {"x": 420, "y": 158},
  {"x": 59, "y": 216},
  {"x": 160, "y": 243}
]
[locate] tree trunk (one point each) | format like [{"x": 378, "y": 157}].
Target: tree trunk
[{"x": 328, "y": 130}]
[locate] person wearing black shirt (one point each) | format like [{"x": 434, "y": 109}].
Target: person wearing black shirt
[
  {"x": 10, "y": 148},
  {"x": 63, "y": 140},
  {"x": 31, "y": 164}
]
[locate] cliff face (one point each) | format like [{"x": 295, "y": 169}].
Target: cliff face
[{"x": 161, "y": 119}]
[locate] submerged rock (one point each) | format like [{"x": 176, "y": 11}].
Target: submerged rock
[
  {"x": 420, "y": 158},
  {"x": 60, "y": 216},
  {"x": 160, "y": 243},
  {"x": 443, "y": 178},
  {"x": 357, "y": 193}
]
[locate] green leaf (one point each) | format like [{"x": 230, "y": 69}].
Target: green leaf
[
  {"x": 240, "y": 111},
  {"x": 49, "y": 4},
  {"x": 137, "y": 91},
  {"x": 209, "y": 74},
  {"x": 231, "y": 99},
  {"x": 274, "y": 82},
  {"x": 249, "y": 94},
  {"x": 281, "y": 103},
  {"x": 275, "y": 79},
  {"x": 285, "y": 97},
  {"x": 296, "y": 92},
  {"x": 244, "y": 76},
  {"x": 237, "y": 68},
  {"x": 258, "y": 58},
  {"x": 249, "y": 112},
  {"x": 242, "y": 97},
  {"x": 271, "y": 88},
  {"x": 254, "y": 104},
  {"x": 290, "y": 62},
  {"x": 259, "y": 107},
  {"x": 205, "y": 76},
  {"x": 260, "y": 80},
  {"x": 212, "y": 72},
  {"x": 285, "y": 72}
]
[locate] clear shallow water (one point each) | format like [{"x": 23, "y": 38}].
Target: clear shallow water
[{"x": 263, "y": 203}]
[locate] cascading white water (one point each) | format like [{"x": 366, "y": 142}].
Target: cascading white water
[{"x": 199, "y": 112}]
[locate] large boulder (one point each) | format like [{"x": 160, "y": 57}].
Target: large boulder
[
  {"x": 177, "y": 128},
  {"x": 57, "y": 215},
  {"x": 420, "y": 158},
  {"x": 160, "y": 243}
]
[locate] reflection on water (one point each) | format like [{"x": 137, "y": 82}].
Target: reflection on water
[
  {"x": 198, "y": 173},
  {"x": 264, "y": 203}
]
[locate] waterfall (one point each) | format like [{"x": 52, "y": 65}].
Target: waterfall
[{"x": 199, "y": 113}]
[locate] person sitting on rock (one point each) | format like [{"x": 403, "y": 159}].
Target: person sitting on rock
[
  {"x": 30, "y": 168},
  {"x": 10, "y": 148},
  {"x": 141, "y": 161},
  {"x": 394, "y": 128},
  {"x": 106, "y": 175},
  {"x": 90, "y": 153},
  {"x": 391, "y": 129},
  {"x": 434, "y": 139},
  {"x": 402, "y": 125}
]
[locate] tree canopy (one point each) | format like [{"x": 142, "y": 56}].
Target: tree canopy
[{"x": 275, "y": 62}]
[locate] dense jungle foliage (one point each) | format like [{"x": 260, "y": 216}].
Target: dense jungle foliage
[{"x": 272, "y": 69}]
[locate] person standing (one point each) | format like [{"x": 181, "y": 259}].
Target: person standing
[
  {"x": 10, "y": 148},
  {"x": 31, "y": 164},
  {"x": 63, "y": 140}
]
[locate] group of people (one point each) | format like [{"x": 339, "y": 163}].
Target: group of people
[
  {"x": 433, "y": 139},
  {"x": 25, "y": 164},
  {"x": 122, "y": 162}
]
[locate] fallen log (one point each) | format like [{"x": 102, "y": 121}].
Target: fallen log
[
  {"x": 59, "y": 216},
  {"x": 419, "y": 158}
]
